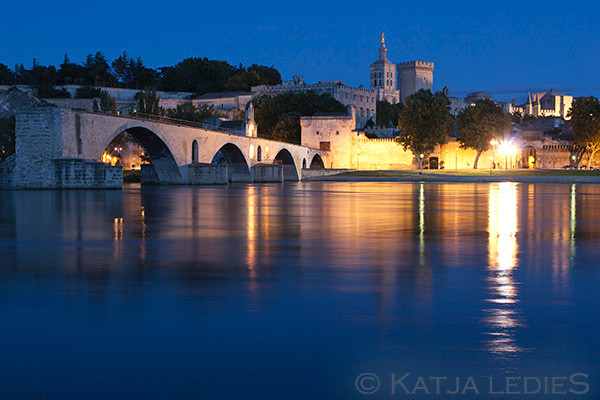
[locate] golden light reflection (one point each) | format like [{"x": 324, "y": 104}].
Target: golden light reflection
[
  {"x": 251, "y": 258},
  {"x": 573, "y": 224},
  {"x": 503, "y": 248},
  {"x": 421, "y": 224},
  {"x": 118, "y": 228},
  {"x": 118, "y": 234}
]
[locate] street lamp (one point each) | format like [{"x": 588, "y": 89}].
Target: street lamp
[
  {"x": 493, "y": 142},
  {"x": 421, "y": 156}
]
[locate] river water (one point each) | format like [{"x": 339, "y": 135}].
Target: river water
[{"x": 296, "y": 291}]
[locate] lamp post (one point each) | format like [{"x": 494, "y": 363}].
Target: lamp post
[
  {"x": 493, "y": 142},
  {"x": 421, "y": 169}
]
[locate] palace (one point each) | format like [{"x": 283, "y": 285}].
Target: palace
[{"x": 388, "y": 82}]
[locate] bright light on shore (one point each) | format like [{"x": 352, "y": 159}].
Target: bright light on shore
[{"x": 507, "y": 148}]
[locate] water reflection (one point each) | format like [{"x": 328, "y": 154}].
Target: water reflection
[
  {"x": 330, "y": 275},
  {"x": 503, "y": 248}
]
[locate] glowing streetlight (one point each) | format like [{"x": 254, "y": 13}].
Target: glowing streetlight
[
  {"x": 493, "y": 142},
  {"x": 507, "y": 148},
  {"x": 421, "y": 157}
]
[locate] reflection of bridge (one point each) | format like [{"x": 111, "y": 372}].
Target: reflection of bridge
[{"x": 46, "y": 137}]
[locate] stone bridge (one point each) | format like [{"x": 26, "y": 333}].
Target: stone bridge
[{"x": 47, "y": 135}]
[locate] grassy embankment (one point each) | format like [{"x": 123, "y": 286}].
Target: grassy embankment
[{"x": 468, "y": 172}]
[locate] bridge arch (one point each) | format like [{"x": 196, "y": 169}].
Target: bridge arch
[
  {"x": 160, "y": 155},
  {"x": 290, "y": 173},
  {"x": 237, "y": 166},
  {"x": 317, "y": 162}
]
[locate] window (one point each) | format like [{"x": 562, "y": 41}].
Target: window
[
  {"x": 325, "y": 146},
  {"x": 317, "y": 132},
  {"x": 337, "y": 132}
]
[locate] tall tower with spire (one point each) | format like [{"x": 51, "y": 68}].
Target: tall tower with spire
[{"x": 383, "y": 76}]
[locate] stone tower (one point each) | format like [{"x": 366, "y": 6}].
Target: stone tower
[
  {"x": 414, "y": 76},
  {"x": 383, "y": 76}
]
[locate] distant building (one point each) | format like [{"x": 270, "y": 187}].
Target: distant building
[{"x": 546, "y": 104}]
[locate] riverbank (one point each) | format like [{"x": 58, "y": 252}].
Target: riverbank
[{"x": 525, "y": 176}]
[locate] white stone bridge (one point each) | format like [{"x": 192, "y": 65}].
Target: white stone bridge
[{"x": 47, "y": 134}]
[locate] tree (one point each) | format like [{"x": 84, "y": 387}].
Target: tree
[
  {"x": 187, "y": 111},
  {"x": 267, "y": 75},
  {"x": 69, "y": 73},
  {"x": 585, "y": 120},
  {"x": 288, "y": 128},
  {"x": 149, "y": 102},
  {"x": 425, "y": 122},
  {"x": 197, "y": 75},
  {"x": 388, "y": 113},
  {"x": 269, "y": 111},
  {"x": 516, "y": 117},
  {"x": 6, "y": 75},
  {"x": 122, "y": 70},
  {"x": 87, "y": 92},
  {"x": 97, "y": 70},
  {"x": 479, "y": 124},
  {"x": 242, "y": 82},
  {"x": 107, "y": 102}
]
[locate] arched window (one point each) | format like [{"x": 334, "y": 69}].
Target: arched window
[
  {"x": 304, "y": 164},
  {"x": 259, "y": 154},
  {"x": 195, "y": 151}
]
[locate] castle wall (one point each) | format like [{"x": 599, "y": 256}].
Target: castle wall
[{"x": 375, "y": 154}]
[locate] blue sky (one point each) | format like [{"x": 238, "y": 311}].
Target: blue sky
[{"x": 504, "y": 48}]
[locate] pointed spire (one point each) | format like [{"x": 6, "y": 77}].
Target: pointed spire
[
  {"x": 528, "y": 98},
  {"x": 382, "y": 49}
]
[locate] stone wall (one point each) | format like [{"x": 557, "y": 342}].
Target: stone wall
[
  {"x": 267, "y": 173},
  {"x": 74, "y": 173},
  {"x": 204, "y": 174},
  {"x": 6, "y": 172},
  {"x": 374, "y": 154},
  {"x": 148, "y": 175},
  {"x": 38, "y": 141}
]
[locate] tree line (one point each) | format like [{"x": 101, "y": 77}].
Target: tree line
[{"x": 195, "y": 75}]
